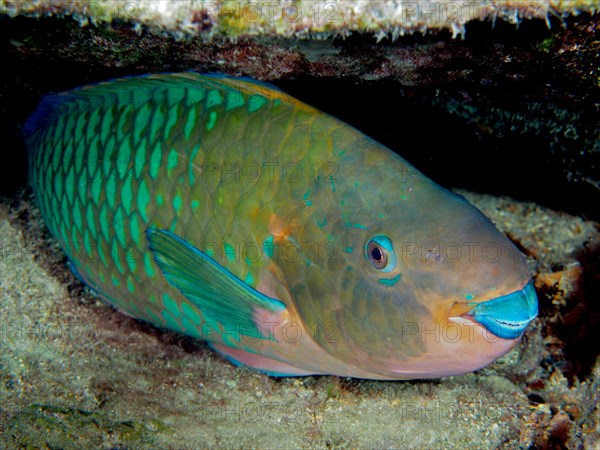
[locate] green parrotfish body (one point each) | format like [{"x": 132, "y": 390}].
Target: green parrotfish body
[{"x": 226, "y": 210}]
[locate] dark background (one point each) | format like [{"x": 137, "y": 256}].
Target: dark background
[{"x": 506, "y": 111}]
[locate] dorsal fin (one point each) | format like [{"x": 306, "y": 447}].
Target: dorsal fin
[{"x": 139, "y": 89}]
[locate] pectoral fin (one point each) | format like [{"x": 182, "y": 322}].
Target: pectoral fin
[{"x": 219, "y": 294}]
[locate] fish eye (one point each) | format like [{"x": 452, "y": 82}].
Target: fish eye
[{"x": 379, "y": 251}]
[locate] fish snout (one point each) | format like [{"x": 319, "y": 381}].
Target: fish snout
[{"x": 507, "y": 316}]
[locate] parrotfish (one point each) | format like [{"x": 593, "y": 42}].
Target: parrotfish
[{"x": 225, "y": 209}]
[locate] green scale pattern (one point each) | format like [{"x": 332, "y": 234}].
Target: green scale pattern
[
  {"x": 223, "y": 165},
  {"x": 162, "y": 151}
]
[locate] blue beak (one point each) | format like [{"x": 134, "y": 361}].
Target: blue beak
[{"x": 508, "y": 316}]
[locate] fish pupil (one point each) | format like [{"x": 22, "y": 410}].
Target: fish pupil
[{"x": 376, "y": 254}]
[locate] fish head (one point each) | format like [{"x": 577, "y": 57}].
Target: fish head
[{"x": 426, "y": 286}]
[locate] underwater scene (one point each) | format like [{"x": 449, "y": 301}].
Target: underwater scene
[{"x": 300, "y": 224}]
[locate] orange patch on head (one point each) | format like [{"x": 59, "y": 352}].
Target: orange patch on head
[
  {"x": 278, "y": 229},
  {"x": 459, "y": 308}
]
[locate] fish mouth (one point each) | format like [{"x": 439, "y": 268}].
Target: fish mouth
[{"x": 506, "y": 317}]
